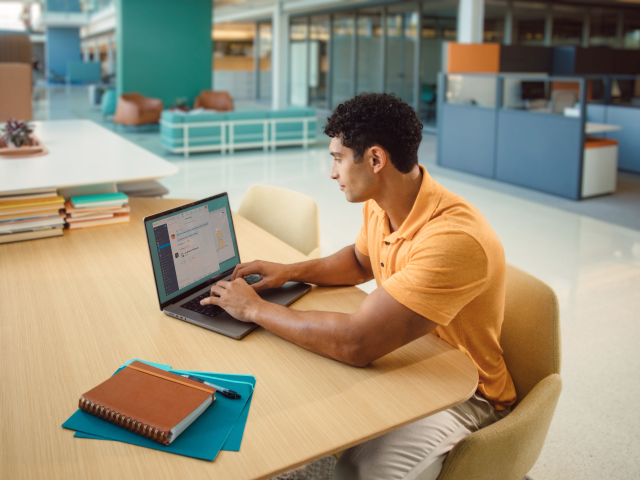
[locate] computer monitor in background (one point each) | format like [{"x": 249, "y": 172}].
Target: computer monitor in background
[{"x": 533, "y": 91}]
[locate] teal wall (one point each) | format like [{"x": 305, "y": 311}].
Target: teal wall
[{"x": 164, "y": 48}]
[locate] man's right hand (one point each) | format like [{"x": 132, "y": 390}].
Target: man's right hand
[{"x": 273, "y": 275}]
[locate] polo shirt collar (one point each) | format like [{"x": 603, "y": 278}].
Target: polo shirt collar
[{"x": 426, "y": 203}]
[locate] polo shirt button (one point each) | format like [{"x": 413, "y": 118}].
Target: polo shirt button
[
  {"x": 381, "y": 264},
  {"x": 386, "y": 243}
]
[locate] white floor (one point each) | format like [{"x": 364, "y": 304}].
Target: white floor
[{"x": 593, "y": 266}]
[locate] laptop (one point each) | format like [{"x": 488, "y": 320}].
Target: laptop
[{"x": 193, "y": 247}]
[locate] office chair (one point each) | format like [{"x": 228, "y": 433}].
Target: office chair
[
  {"x": 290, "y": 216},
  {"x": 508, "y": 449}
]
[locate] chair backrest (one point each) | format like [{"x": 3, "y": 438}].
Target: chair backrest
[
  {"x": 220, "y": 101},
  {"x": 132, "y": 97},
  {"x": 15, "y": 91},
  {"x": 509, "y": 448},
  {"x": 290, "y": 216},
  {"x": 561, "y": 99},
  {"x": 15, "y": 48},
  {"x": 530, "y": 331}
]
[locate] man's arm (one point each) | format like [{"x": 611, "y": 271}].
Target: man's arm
[
  {"x": 380, "y": 326},
  {"x": 346, "y": 267}
]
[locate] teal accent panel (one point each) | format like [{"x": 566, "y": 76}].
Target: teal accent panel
[
  {"x": 164, "y": 48},
  {"x": 84, "y": 72}
]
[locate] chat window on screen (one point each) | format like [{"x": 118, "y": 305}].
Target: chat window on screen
[{"x": 192, "y": 240}]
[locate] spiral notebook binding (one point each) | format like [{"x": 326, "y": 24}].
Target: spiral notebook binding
[{"x": 124, "y": 421}]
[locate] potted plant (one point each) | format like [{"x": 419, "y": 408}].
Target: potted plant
[{"x": 17, "y": 139}]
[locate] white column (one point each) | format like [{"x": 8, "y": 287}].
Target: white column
[
  {"x": 508, "y": 24},
  {"x": 96, "y": 51},
  {"x": 548, "y": 26},
  {"x": 109, "y": 57},
  {"x": 279, "y": 57},
  {"x": 586, "y": 28},
  {"x": 470, "y": 21},
  {"x": 85, "y": 53},
  {"x": 620, "y": 30}
]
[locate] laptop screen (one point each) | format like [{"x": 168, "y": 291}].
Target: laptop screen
[{"x": 192, "y": 245}]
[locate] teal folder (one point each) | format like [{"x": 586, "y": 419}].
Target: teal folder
[{"x": 224, "y": 420}]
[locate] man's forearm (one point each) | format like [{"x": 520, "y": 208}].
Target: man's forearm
[
  {"x": 341, "y": 268},
  {"x": 325, "y": 333}
]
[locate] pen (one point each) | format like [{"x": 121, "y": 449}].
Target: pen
[{"x": 223, "y": 391}]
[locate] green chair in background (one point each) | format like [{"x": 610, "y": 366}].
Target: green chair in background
[{"x": 108, "y": 103}]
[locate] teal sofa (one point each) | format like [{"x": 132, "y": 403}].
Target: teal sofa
[{"x": 230, "y": 131}]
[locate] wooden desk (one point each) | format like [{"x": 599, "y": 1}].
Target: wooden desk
[{"x": 74, "y": 308}]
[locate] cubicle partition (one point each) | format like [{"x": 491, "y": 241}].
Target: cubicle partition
[
  {"x": 615, "y": 100},
  {"x": 513, "y": 128}
]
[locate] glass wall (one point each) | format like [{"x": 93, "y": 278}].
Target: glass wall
[
  {"x": 337, "y": 55},
  {"x": 264, "y": 65},
  {"x": 631, "y": 31},
  {"x": 342, "y": 51},
  {"x": 567, "y": 25},
  {"x": 369, "y": 72},
  {"x": 438, "y": 26},
  {"x": 494, "y": 15},
  {"x": 529, "y": 23},
  {"x": 318, "y": 61},
  {"x": 401, "y": 44},
  {"x": 299, "y": 60},
  {"x": 602, "y": 28}
]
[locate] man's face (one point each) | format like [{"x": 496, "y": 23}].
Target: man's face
[{"x": 356, "y": 180}]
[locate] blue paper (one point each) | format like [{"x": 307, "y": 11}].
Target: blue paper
[
  {"x": 203, "y": 439},
  {"x": 235, "y": 437}
]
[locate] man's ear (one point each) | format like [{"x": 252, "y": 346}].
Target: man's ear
[{"x": 378, "y": 158}]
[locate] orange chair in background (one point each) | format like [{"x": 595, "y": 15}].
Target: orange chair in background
[
  {"x": 15, "y": 91},
  {"x": 219, "y": 101},
  {"x": 134, "y": 109}
]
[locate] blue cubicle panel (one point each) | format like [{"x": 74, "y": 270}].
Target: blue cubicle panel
[
  {"x": 467, "y": 139},
  {"x": 596, "y": 113},
  {"x": 628, "y": 138},
  {"x": 540, "y": 151}
]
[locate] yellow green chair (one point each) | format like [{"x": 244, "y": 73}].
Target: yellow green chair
[
  {"x": 508, "y": 449},
  {"x": 290, "y": 216}
]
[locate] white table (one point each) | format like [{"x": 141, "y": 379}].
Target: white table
[
  {"x": 83, "y": 158},
  {"x": 592, "y": 127}
]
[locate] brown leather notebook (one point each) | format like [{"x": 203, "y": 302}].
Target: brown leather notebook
[{"x": 148, "y": 401}]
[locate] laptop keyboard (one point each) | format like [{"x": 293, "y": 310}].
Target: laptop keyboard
[{"x": 213, "y": 310}]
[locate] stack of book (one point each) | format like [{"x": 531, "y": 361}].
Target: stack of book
[
  {"x": 94, "y": 210},
  {"x": 31, "y": 216}
]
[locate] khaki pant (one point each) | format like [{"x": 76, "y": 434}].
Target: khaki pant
[{"x": 416, "y": 451}]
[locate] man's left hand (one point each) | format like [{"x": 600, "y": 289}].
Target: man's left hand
[{"x": 236, "y": 297}]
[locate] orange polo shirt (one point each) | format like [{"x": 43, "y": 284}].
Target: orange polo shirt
[{"x": 446, "y": 264}]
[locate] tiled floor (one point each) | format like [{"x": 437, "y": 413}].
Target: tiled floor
[{"x": 593, "y": 266}]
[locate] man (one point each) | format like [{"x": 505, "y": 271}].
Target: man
[{"x": 439, "y": 268}]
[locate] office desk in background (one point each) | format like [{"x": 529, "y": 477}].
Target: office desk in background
[
  {"x": 76, "y": 307},
  {"x": 592, "y": 128},
  {"x": 81, "y": 154}
]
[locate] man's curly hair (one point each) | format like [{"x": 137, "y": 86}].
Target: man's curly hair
[{"x": 378, "y": 119}]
